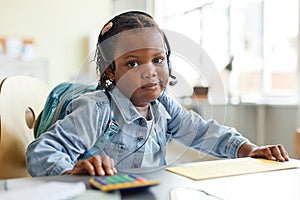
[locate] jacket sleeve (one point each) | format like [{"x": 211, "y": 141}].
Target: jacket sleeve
[
  {"x": 207, "y": 136},
  {"x": 57, "y": 150}
]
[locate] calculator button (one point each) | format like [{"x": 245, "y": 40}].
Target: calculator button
[
  {"x": 121, "y": 182},
  {"x": 140, "y": 180},
  {"x": 137, "y": 178},
  {"x": 100, "y": 181},
  {"x": 111, "y": 179}
]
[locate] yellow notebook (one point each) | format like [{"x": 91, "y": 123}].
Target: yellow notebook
[{"x": 230, "y": 167}]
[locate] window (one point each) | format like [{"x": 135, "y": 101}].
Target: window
[{"x": 260, "y": 35}]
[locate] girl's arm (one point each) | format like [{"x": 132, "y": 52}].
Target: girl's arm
[
  {"x": 57, "y": 150},
  {"x": 212, "y": 138}
]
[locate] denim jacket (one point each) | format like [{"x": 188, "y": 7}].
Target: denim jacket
[{"x": 140, "y": 143}]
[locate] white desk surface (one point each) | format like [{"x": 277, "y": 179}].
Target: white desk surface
[{"x": 281, "y": 184}]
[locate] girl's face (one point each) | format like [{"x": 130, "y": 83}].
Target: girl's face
[{"x": 142, "y": 73}]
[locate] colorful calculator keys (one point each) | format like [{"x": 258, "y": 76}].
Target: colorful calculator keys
[{"x": 121, "y": 182}]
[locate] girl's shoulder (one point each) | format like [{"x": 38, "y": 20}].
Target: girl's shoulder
[
  {"x": 96, "y": 98},
  {"x": 167, "y": 99}
]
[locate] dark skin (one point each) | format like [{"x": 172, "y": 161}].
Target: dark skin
[
  {"x": 142, "y": 75},
  {"x": 270, "y": 152},
  {"x": 95, "y": 165}
]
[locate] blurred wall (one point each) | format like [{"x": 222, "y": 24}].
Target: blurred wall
[{"x": 60, "y": 29}]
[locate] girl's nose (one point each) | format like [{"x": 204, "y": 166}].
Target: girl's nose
[{"x": 149, "y": 71}]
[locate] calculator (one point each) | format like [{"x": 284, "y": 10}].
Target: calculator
[{"x": 123, "y": 182}]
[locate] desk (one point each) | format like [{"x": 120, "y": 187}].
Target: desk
[{"x": 282, "y": 184}]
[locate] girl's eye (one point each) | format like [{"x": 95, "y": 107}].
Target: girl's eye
[
  {"x": 158, "y": 60},
  {"x": 132, "y": 64}
]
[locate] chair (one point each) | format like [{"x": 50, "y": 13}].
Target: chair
[
  {"x": 297, "y": 143},
  {"x": 21, "y": 100}
]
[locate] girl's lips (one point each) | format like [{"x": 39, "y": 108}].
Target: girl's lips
[{"x": 150, "y": 86}]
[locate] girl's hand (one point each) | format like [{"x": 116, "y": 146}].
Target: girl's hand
[
  {"x": 270, "y": 152},
  {"x": 94, "y": 165}
]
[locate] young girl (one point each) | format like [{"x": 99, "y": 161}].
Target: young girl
[{"x": 133, "y": 59}]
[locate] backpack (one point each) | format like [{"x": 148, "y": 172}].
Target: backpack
[{"x": 55, "y": 109}]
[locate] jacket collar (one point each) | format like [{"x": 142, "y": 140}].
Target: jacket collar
[{"x": 129, "y": 112}]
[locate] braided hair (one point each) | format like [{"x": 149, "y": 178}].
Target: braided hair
[{"x": 123, "y": 22}]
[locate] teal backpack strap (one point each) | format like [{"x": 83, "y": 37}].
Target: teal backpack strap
[
  {"x": 56, "y": 103},
  {"x": 111, "y": 130}
]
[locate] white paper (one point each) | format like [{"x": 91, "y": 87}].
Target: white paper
[{"x": 45, "y": 191}]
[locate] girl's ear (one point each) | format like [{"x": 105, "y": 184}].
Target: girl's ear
[
  {"x": 110, "y": 73},
  {"x": 107, "y": 79}
]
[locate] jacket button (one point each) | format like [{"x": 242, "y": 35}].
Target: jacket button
[
  {"x": 140, "y": 138},
  {"x": 141, "y": 122}
]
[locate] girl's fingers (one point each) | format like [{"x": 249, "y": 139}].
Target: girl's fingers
[
  {"x": 83, "y": 166},
  {"x": 283, "y": 152},
  {"x": 108, "y": 165},
  {"x": 95, "y": 165},
  {"x": 271, "y": 152}
]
